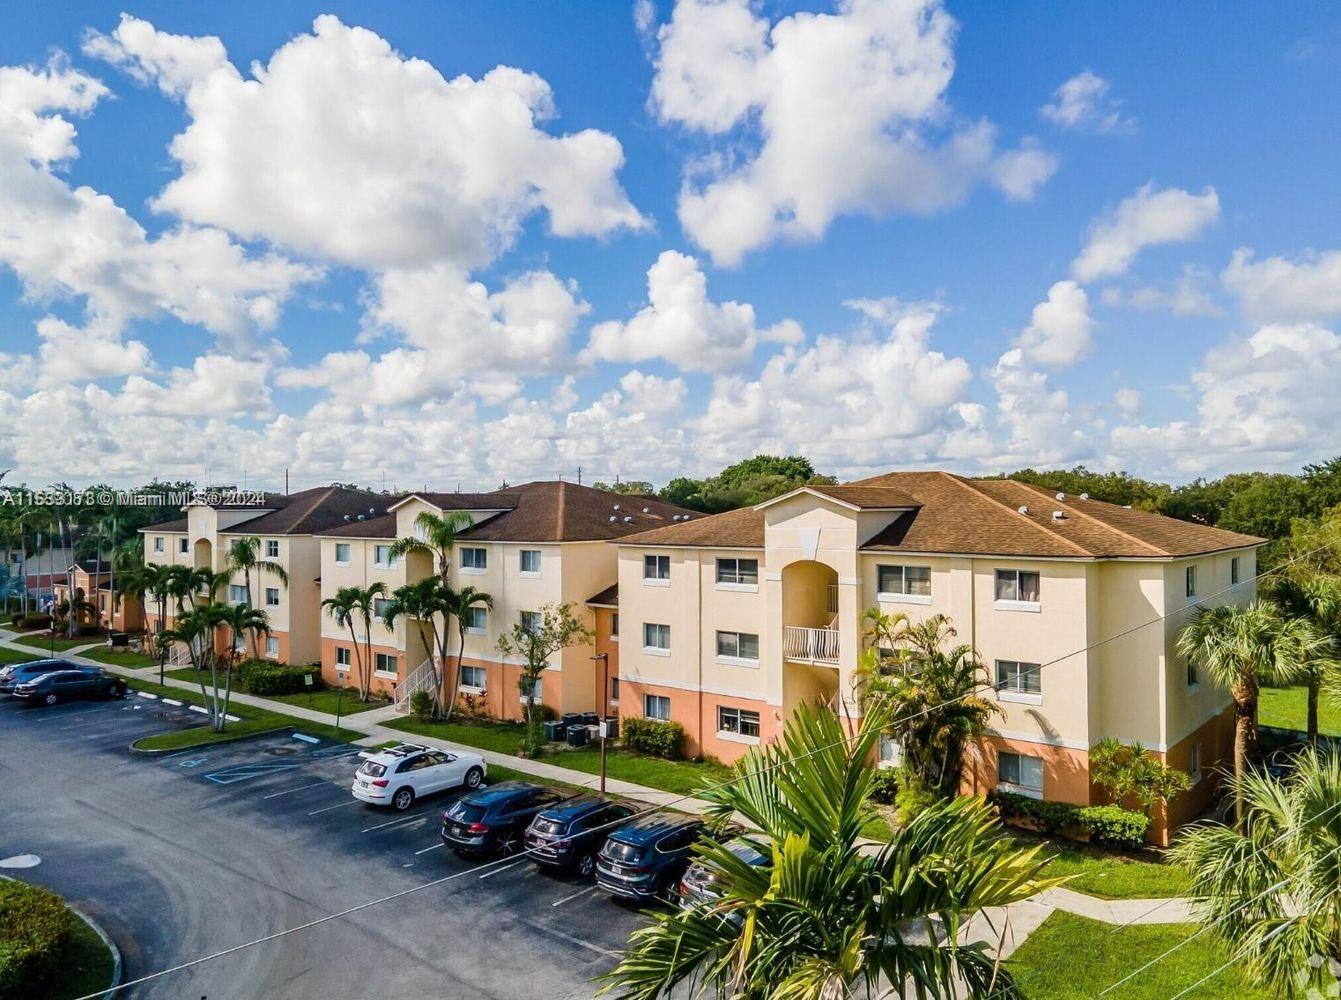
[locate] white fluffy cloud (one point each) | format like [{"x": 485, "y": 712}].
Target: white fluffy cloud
[
  {"x": 1276, "y": 289},
  {"x": 850, "y": 112},
  {"x": 1189, "y": 295},
  {"x": 342, "y": 148},
  {"x": 1084, "y": 102},
  {"x": 1059, "y": 330},
  {"x": 1035, "y": 416},
  {"x": 1128, "y": 400},
  {"x": 680, "y": 324},
  {"x": 1149, "y": 217}
]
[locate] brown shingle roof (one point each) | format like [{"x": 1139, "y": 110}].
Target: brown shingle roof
[
  {"x": 566, "y": 512},
  {"x": 607, "y": 598},
  {"x": 497, "y": 500},
  {"x": 314, "y": 511},
  {"x": 978, "y": 516},
  {"x": 864, "y": 497},
  {"x": 371, "y": 527},
  {"x": 178, "y": 524}
]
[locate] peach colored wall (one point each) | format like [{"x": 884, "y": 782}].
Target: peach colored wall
[
  {"x": 698, "y": 714},
  {"x": 605, "y": 643},
  {"x": 1066, "y": 772},
  {"x": 379, "y": 684}
]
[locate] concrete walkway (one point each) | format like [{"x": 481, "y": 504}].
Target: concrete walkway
[{"x": 367, "y": 729}]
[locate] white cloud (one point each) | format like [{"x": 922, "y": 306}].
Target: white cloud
[
  {"x": 1036, "y": 417},
  {"x": 342, "y": 148},
  {"x": 680, "y": 324},
  {"x": 1084, "y": 102},
  {"x": 1059, "y": 331},
  {"x": 27, "y": 93},
  {"x": 1276, "y": 289},
  {"x": 72, "y": 354},
  {"x": 1189, "y": 295},
  {"x": 850, "y": 111},
  {"x": 1128, "y": 400},
  {"x": 215, "y": 385},
  {"x": 1149, "y": 217}
]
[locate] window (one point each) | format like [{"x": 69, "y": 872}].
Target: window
[
  {"x": 272, "y": 597},
  {"x": 614, "y": 625},
  {"x": 476, "y": 619},
  {"x": 904, "y": 581},
  {"x": 342, "y": 553},
  {"x": 738, "y": 646},
  {"x": 530, "y": 561},
  {"x": 380, "y": 604},
  {"x": 183, "y": 546},
  {"x": 384, "y": 663},
  {"x": 530, "y": 621},
  {"x": 1234, "y": 570},
  {"x": 534, "y": 691},
  {"x": 656, "y": 636},
  {"x": 475, "y": 559},
  {"x": 614, "y": 690},
  {"x": 382, "y": 557},
  {"x": 736, "y": 572},
  {"x": 656, "y": 706},
  {"x": 271, "y": 646},
  {"x": 1024, "y": 773},
  {"x": 1190, "y": 581},
  {"x": 1017, "y": 586},
  {"x": 342, "y": 658},
  {"x": 1019, "y": 678},
  {"x": 656, "y": 569},
  {"x": 1194, "y": 763},
  {"x": 474, "y": 677},
  {"x": 1192, "y": 679},
  {"x": 158, "y": 543},
  {"x": 237, "y": 594},
  {"x": 272, "y": 548},
  {"x": 737, "y": 720}
]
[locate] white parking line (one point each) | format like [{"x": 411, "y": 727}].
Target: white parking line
[
  {"x": 427, "y": 849},
  {"x": 338, "y": 805},
  {"x": 495, "y": 871},
  {"x": 290, "y": 791},
  {"x": 57, "y": 716},
  {"x": 394, "y": 822},
  {"x": 580, "y": 892}
]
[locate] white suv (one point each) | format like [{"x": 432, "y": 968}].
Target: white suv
[{"x": 400, "y": 774}]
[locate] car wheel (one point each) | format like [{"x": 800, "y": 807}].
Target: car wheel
[
  {"x": 50, "y": 699},
  {"x": 403, "y": 799},
  {"x": 473, "y": 777},
  {"x": 111, "y": 692},
  {"x": 586, "y": 865},
  {"x": 507, "y": 843}
]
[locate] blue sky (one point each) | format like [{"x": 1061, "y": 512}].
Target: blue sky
[{"x": 1197, "y": 159}]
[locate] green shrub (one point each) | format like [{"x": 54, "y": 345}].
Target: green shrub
[
  {"x": 88, "y": 630},
  {"x": 1114, "y": 826},
  {"x": 911, "y": 799},
  {"x": 262, "y": 678},
  {"x": 653, "y": 737},
  {"x": 16, "y": 618},
  {"x": 545, "y": 713},
  {"x": 885, "y": 785},
  {"x": 421, "y": 703},
  {"x": 36, "y": 928},
  {"x": 1110, "y": 825},
  {"x": 35, "y": 619}
]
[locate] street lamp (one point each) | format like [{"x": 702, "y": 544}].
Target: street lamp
[{"x": 603, "y": 704}]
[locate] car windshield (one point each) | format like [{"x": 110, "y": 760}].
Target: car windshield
[
  {"x": 544, "y": 825},
  {"x": 466, "y": 812},
  {"x": 620, "y": 851},
  {"x": 373, "y": 769}
]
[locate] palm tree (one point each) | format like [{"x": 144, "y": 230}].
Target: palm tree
[
  {"x": 1272, "y": 888},
  {"x": 465, "y": 599},
  {"x": 1316, "y": 597},
  {"x": 941, "y": 695},
  {"x": 424, "y": 601},
  {"x": 1243, "y": 648},
  {"x": 244, "y": 556},
  {"x": 825, "y": 917},
  {"x": 435, "y": 536},
  {"x": 195, "y": 630},
  {"x": 350, "y": 606},
  {"x": 239, "y": 619}
]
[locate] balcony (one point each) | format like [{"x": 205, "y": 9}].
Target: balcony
[{"x": 810, "y": 645}]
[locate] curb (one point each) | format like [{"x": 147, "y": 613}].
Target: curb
[
  {"x": 109, "y": 944},
  {"x": 213, "y": 743}
]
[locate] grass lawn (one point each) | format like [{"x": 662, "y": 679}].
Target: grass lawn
[
  {"x": 1107, "y": 874},
  {"x": 321, "y": 700},
  {"x": 1287, "y": 708},
  {"x": 120, "y": 657},
  {"x": 1070, "y": 958},
  {"x": 14, "y": 656},
  {"x": 252, "y": 721},
  {"x": 88, "y": 965},
  {"x": 679, "y": 776},
  {"x": 44, "y": 642}
]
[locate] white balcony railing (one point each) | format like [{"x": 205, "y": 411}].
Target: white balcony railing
[
  {"x": 421, "y": 678},
  {"x": 815, "y": 645}
]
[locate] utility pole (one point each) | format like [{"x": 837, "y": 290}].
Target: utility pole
[{"x": 602, "y": 704}]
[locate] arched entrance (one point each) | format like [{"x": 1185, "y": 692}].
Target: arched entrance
[{"x": 811, "y": 638}]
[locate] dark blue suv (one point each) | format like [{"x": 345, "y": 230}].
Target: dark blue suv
[
  {"x": 21, "y": 673},
  {"x": 646, "y": 858},
  {"x": 493, "y": 820},
  {"x": 567, "y": 836}
]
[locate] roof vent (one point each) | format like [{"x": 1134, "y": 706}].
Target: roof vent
[
  {"x": 360, "y": 517},
  {"x": 1059, "y": 515},
  {"x": 647, "y": 510},
  {"x": 628, "y": 520},
  {"x": 616, "y": 507},
  {"x": 372, "y": 511},
  {"x": 346, "y": 517},
  {"x": 614, "y": 517},
  {"x": 1126, "y": 506},
  {"x": 685, "y": 517},
  {"x": 1024, "y": 508},
  {"x": 1061, "y": 496},
  {"x": 1084, "y": 496}
]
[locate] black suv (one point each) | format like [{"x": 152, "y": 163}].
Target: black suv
[
  {"x": 699, "y": 885},
  {"x": 20, "y": 673},
  {"x": 645, "y": 859},
  {"x": 493, "y": 820},
  {"x": 68, "y": 685},
  {"x": 567, "y": 836}
]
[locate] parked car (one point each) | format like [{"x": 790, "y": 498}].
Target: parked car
[
  {"x": 566, "y": 837},
  {"x": 645, "y": 859},
  {"x": 493, "y": 820},
  {"x": 699, "y": 885},
  {"x": 15, "y": 674},
  {"x": 70, "y": 685},
  {"x": 397, "y": 776}
]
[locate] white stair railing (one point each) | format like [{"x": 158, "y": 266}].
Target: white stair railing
[
  {"x": 817, "y": 645},
  {"x": 421, "y": 678}
]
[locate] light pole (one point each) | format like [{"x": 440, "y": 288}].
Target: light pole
[
  {"x": 339, "y": 699},
  {"x": 603, "y": 704}
]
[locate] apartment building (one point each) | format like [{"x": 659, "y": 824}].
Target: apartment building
[
  {"x": 94, "y": 584},
  {"x": 288, "y": 528},
  {"x": 530, "y": 545},
  {"x": 727, "y": 623}
]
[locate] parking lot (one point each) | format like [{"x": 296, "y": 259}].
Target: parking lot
[{"x": 190, "y": 853}]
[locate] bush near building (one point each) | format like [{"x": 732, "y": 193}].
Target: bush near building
[
  {"x": 1112, "y": 826},
  {"x": 653, "y": 737},
  {"x": 36, "y": 932},
  {"x": 266, "y": 678}
]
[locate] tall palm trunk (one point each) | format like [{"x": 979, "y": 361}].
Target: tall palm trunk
[
  {"x": 1244, "y": 694},
  {"x": 358, "y": 661},
  {"x": 1314, "y": 686},
  {"x": 460, "y": 654}
]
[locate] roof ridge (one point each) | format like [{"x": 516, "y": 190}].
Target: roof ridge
[
  {"x": 968, "y": 485},
  {"x": 1103, "y": 524}
]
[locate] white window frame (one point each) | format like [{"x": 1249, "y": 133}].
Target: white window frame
[
  {"x": 268, "y": 602},
  {"x": 379, "y": 606},
  {"x": 474, "y": 688},
  {"x": 344, "y": 658},
  {"x": 901, "y": 595},
  {"x": 237, "y": 593},
  {"x": 345, "y": 547},
  {"x": 656, "y": 650},
  {"x": 614, "y": 626},
  {"x": 735, "y": 659},
  {"x": 738, "y": 735},
  {"x": 521, "y": 562},
  {"x": 537, "y": 691},
  {"x": 473, "y": 610},
  {"x": 522, "y": 617},
  {"x": 272, "y": 647},
  {"x": 614, "y": 690},
  {"x": 1018, "y": 694},
  {"x": 158, "y": 543},
  {"x": 651, "y": 701},
  {"x": 382, "y": 557},
  {"x": 1190, "y": 583},
  {"x": 1233, "y": 571},
  {"x": 1016, "y": 787},
  {"x": 738, "y": 583},
  {"x": 1015, "y": 604},
  {"x": 272, "y": 548},
  {"x": 476, "y": 552},
  {"x": 183, "y": 546},
  {"x": 652, "y": 569},
  {"x": 379, "y": 658}
]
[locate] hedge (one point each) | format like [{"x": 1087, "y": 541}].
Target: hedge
[
  {"x": 35, "y": 620},
  {"x": 36, "y": 930},
  {"x": 654, "y": 737},
  {"x": 1110, "y": 825},
  {"x": 263, "y": 678}
]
